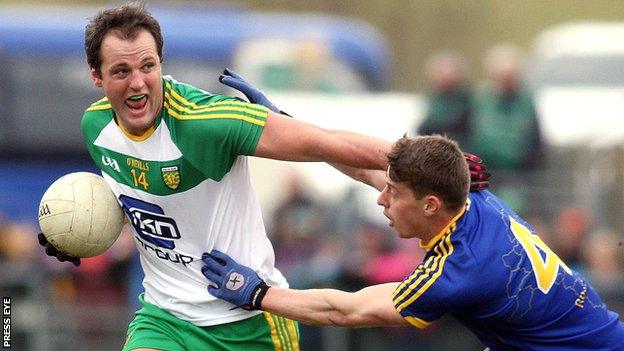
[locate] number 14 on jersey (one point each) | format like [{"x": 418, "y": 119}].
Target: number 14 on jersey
[{"x": 139, "y": 179}]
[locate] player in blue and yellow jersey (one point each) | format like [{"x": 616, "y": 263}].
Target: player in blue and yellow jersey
[{"x": 484, "y": 265}]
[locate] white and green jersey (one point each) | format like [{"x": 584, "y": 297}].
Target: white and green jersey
[{"x": 186, "y": 189}]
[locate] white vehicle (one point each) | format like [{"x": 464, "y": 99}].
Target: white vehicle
[{"x": 577, "y": 71}]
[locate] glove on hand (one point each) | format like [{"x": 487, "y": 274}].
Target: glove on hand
[
  {"x": 52, "y": 251},
  {"x": 479, "y": 176},
  {"x": 253, "y": 94},
  {"x": 233, "y": 282}
]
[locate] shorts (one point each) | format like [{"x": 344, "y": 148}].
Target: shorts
[{"x": 156, "y": 328}]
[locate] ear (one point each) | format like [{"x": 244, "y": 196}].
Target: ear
[
  {"x": 432, "y": 205},
  {"x": 96, "y": 78}
]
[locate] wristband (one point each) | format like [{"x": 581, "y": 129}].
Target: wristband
[{"x": 256, "y": 298}]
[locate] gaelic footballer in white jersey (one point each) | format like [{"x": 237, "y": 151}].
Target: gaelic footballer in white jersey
[{"x": 185, "y": 187}]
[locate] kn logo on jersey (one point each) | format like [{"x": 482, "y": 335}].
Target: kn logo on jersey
[{"x": 150, "y": 222}]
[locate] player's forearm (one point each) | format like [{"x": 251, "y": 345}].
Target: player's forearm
[
  {"x": 380, "y": 146},
  {"x": 313, "y": 306},
  {"x": 369, "y": 307},
  {"x": 372, "y": 177},
  {"x": 291, "y": 140},
  {"x": 353, "y": 150}
]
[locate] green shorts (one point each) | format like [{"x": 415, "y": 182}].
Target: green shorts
[{"x": 156, "y": 328}]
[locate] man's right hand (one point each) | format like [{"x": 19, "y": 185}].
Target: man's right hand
[
  {"x": 52, "y": 251},
  {"x": 233, "y": 282}
]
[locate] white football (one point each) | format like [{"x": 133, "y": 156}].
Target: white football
[{"x": 80, "y": 215}]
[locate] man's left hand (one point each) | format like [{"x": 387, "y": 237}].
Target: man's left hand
[{"x": 233, "y": 282}]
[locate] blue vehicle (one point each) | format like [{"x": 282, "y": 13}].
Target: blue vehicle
[{"x": 45, "y": 84}]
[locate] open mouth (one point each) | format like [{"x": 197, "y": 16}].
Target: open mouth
[
  {"x": 137, "y": 102},
  {"x": 390, "y": 221}
]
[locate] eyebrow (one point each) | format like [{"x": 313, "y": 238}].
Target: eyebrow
[
  {"x": 121, "y": 64},
  {"x": 143, "y": 61}
]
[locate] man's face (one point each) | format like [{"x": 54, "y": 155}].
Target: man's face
[
  {"x": 405, "y": 212},
  {"x": 131, "y": 78}
]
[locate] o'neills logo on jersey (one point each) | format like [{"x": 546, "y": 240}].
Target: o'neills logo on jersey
[
  {"x": 171, "y": 176},
  {"x": 134, "y": 163}
]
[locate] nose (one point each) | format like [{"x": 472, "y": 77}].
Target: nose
[
  {"x": 136, "y": 81},
  {"x": 381, "y": 199}
]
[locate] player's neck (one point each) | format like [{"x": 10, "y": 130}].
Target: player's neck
[{"x": 439, "y": 226}]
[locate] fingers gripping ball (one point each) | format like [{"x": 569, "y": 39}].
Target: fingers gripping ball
[{"x": 79, "y": 215}]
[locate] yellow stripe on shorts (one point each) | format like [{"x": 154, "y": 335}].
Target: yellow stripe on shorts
[{"x": 283, "y": 332}]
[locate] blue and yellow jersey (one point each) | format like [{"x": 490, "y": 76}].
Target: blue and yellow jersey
[{"x": 491, "y": 271}]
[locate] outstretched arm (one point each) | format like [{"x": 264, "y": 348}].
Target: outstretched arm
[
  {"x": 369, "y": 307},
  {"x": 288, "y": 139},
  {"x": 372, "y": 176},
  {"x": 291, "y": 140},
  {"x": 240, "y": 285}
]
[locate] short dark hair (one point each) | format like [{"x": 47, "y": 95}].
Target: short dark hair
[
  {"x": 431, "y": 165},
  {"x": 127, "y": 20}
]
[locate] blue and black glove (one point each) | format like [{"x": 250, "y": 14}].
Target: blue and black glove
[
  {"x": 253, "y": 94},
  {"x": 233, "y": 282},
  {"x": 479, "y": 176}
]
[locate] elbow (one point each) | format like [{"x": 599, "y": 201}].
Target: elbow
[
  {"x": 345, "y": 320},
  {"x": 338, "y": 321}
]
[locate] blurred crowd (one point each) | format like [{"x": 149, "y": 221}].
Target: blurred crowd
[{"x": 321, "y": 243}]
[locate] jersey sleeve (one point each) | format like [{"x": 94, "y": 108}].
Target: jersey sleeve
[
  {"x": 212, "y": 130},
  {"x": 436, "y": 287},
  {"x": 94, "y": 119}
]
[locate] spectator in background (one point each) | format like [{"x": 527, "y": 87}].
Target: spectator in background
[
  {"x": 571, "y": 226},
  {"x": 505, "y": 131},
  {"x": 297, "y": 231},
  {"x": 604, "y": 256},
  {"x": 448, "y": 102},
  {"x": 390, "y": 261},
  {"x": 16, "y": 244}
]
